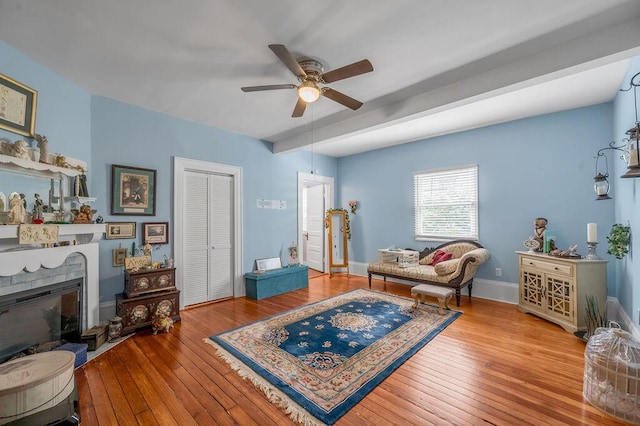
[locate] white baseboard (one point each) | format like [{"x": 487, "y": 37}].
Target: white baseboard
[{"x": 484, "y": 289}]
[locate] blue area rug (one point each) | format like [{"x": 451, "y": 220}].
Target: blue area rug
[{"x": 319, "y": 360}]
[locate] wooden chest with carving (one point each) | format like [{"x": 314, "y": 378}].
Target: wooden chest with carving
[
  {"x": 149, "y": 281},
  {"x": 138, "y": 312}
]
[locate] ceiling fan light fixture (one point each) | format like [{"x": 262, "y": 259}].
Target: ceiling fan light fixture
[{"x": 308, "y": 91}]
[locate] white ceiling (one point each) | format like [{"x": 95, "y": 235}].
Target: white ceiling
[{"x": 439, "y": 67}]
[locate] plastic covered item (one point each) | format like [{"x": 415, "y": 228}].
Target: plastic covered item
[{"x": 612, "y": 374}]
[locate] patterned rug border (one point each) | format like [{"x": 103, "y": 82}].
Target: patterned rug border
[{"x": 280, "y": 398}]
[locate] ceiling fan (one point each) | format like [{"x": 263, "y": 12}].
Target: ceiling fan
[{"x": 310, "y": 73}]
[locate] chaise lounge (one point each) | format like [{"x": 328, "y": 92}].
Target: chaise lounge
[{"x": 456, "y": 272}]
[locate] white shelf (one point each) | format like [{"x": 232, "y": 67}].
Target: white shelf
[
  {"x": 33, "y": 168},
  {"x": 81, "y": 200}
]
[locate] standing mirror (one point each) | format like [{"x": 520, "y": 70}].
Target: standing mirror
[{"x": 338, "y": 252}]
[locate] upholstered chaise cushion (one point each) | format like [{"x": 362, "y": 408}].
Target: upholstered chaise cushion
[{"x": 446, "y": 267}]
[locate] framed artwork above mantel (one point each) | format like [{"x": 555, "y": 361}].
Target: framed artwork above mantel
[{"x": 17, "y": 107}]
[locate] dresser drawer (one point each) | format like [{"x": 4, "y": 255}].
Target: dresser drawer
[
  {"x": 547, "y": 266},
  {"x": 138, "y": 312},
  {"x": 149, "y": 281}
]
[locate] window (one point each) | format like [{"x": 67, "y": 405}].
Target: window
[{"x": 446, "y": 204}]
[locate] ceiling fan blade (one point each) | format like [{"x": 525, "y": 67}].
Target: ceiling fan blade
[
  {"x": 299, "y": 108},
  {"x": 341, "y": 98},
  {"x": 268, "y": 87},
  {"x": 287, "y": 58},
  {"x": 357, "y": 68}
]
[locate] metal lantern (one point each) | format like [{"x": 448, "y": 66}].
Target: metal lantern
[
  {"x": 601, "y": 186},
  {"x": 633, "y": 143},
  {"x": 633, "y": 152}
]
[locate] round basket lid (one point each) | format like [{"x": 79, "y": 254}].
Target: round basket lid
[{"x": 29, "y": 371}]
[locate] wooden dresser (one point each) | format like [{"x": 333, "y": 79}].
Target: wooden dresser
[{"x": 555, "y": 288}]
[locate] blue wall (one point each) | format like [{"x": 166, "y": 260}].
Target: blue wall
[
  {"x": 627, "y": 202},
  {"x": 63, "y": 111},
  {"x": 541, "y": 166},
  {"x": 132, "y": 136}
]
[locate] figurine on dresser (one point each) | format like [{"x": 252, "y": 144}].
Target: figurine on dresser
[{"x": 540, "y": 226}]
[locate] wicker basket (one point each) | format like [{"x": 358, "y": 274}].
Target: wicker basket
[{"x": 612, "y": 374}]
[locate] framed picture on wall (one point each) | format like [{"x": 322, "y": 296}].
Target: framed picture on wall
[
  {"x": 155, "y": 232},
  {"x": 133, "y": 191},
  {"x": 17, "y": 107},
  {"x": 120, "y": 230},
  {"x": 119, "y": 254}
]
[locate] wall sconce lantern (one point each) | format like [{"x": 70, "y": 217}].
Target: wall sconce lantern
[
  {"x": 601, "y": 187},
  {"x": 633, "y": 142},
  {"x": 630, "y": 150}
]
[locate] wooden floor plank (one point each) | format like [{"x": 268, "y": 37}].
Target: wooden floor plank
[{"x": 493, "y": 365}]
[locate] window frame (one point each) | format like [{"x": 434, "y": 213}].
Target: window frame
[{"x": 445, "y": 177}]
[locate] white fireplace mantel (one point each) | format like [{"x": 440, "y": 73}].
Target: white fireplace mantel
[
  {"x": 80, "y": 233},
  {"x": 15, "y": 258}
]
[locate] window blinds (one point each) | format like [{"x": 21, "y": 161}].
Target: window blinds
[{"x": 446, "y": 204}]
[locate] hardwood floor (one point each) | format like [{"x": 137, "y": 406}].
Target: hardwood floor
[{"x": 493, "y": 365}]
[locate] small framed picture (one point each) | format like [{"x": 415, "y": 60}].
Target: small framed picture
[
  {"x": 268, "y": 263},
  {"x": 119, "y": 255},
  {"x": 293, "y": 255},
  {"x": 120, "y": 230},
  {"x": 133, "y": 191},
  {"x": 17, "y": 107},
  {"x": 155, "y": 232}
]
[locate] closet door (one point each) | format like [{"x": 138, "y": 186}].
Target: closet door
[
  {"x": 221, "y": 237},
  {"x": 208, "y": 232}
]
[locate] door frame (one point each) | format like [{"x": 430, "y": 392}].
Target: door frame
[
  {"x": 180, "y": 167},
  {"x": 310, "y": 179}
]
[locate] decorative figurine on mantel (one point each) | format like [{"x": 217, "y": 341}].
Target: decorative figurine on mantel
[
  {"x": 43, "y": 147},
  {"x": 20, "y": 150},
  {"x": 38, "y": 210},
  {"x": 16, "y": 209},
  {"x": 84, "y": 214},
  {"x": 540, "y": 226}
]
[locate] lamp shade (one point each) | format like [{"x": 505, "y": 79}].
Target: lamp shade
[{"x": 308, "y": 91}]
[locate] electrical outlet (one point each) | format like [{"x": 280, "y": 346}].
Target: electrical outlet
[{"x": 498, "y": 272}]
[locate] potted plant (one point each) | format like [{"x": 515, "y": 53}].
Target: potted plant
[
  {"x": 618, "y": 240},
  {"x": 593, "y": 316}
]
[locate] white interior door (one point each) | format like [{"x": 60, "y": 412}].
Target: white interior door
[
  {"x": 221, "y": 237},
  {"x": 315, "y": 227},
  {"x": 310, "y": 182},
  {"x": 208, "y": 237}
]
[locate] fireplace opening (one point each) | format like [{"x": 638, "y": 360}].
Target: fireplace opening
[{"x": 40, "y": 319}]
